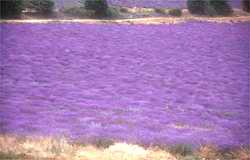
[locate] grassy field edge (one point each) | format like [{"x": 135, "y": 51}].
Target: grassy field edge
[{"x": 15, "y": 147}]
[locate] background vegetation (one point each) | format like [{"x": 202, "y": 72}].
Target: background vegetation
[
  {"x": 246, "y": 5},
  {"x": 11, "y": 8},
  {"x": 209, "y": 7}
]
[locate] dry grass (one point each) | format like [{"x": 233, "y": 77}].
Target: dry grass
[
  {"x": 208, "y": 152},
  {"x": 211, "y": 152},
  {"x": 238, "y": 16},
  {"x": 38, "y": 148},
  {"x": 146, "y": 21},
  {"x": 242, "y": 154},
  {"x": 12, "y": 147}
]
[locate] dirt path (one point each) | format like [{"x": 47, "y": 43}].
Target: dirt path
[{"x": 153, "y": 20}]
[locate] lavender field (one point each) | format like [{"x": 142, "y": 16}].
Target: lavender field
[
  {"x": 160, "y": 3},
  {"x": 152, "y": 84},
  {"x": 142, "y": 3}
]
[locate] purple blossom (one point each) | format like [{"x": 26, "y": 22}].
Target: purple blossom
[{"x": 139, "y": 83}]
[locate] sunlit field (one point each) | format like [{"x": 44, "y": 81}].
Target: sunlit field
[
  {"x": 145, "y": 84},
  {"x": 124, "y": 80}
]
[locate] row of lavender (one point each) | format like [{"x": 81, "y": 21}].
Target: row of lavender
[
  {"x": 142, "y": 3},
  {"x": 161, "y": 3},
  {"x": 184, "y": 83}
]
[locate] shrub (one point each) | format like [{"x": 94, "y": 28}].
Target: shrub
[
  {"x": 197, "y": 6},
  {"x": 221, "y": 7},
  {"x": 124, "y": 10},
  {"x": 246, "y": 5},
  {"x": 102, "y": 143},
  {"x": 11, "y": 8},
  {"x": 11, "y": 156},
  {"x": 99, "y": 6},
  {"x": 209, "y": 7},
  {"x": 112, "y": 12},
  {"x": 175, "y": 12},
  {"x": 42, "y": 6},
  {"x": 182, "y": 149},
  {"x": 160, "y": 10},
  {"x": 78, "y": 12}
]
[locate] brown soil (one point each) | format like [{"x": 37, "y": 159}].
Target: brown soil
[{"x": 149, "y": 18}]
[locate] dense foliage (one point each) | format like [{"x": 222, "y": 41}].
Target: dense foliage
[
  {"x": 246, "y": 5},
  {"x": 160, "y": 10},
  {"x": 79, "y": 12},
  {"x": 209, "y": 7},
  {"x": 99, "y": 6},
  {"x": 197, "y": 6},
  {"x": 175, "y": 12},
  {"x": 112, "y": 12},
  {"x": 42, "y": 6},
  {"x": 11, "y": 8},
  {"x": 220, "y": 7}
]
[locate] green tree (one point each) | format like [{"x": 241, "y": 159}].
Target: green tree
[{"x": 11, "y": 8}]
